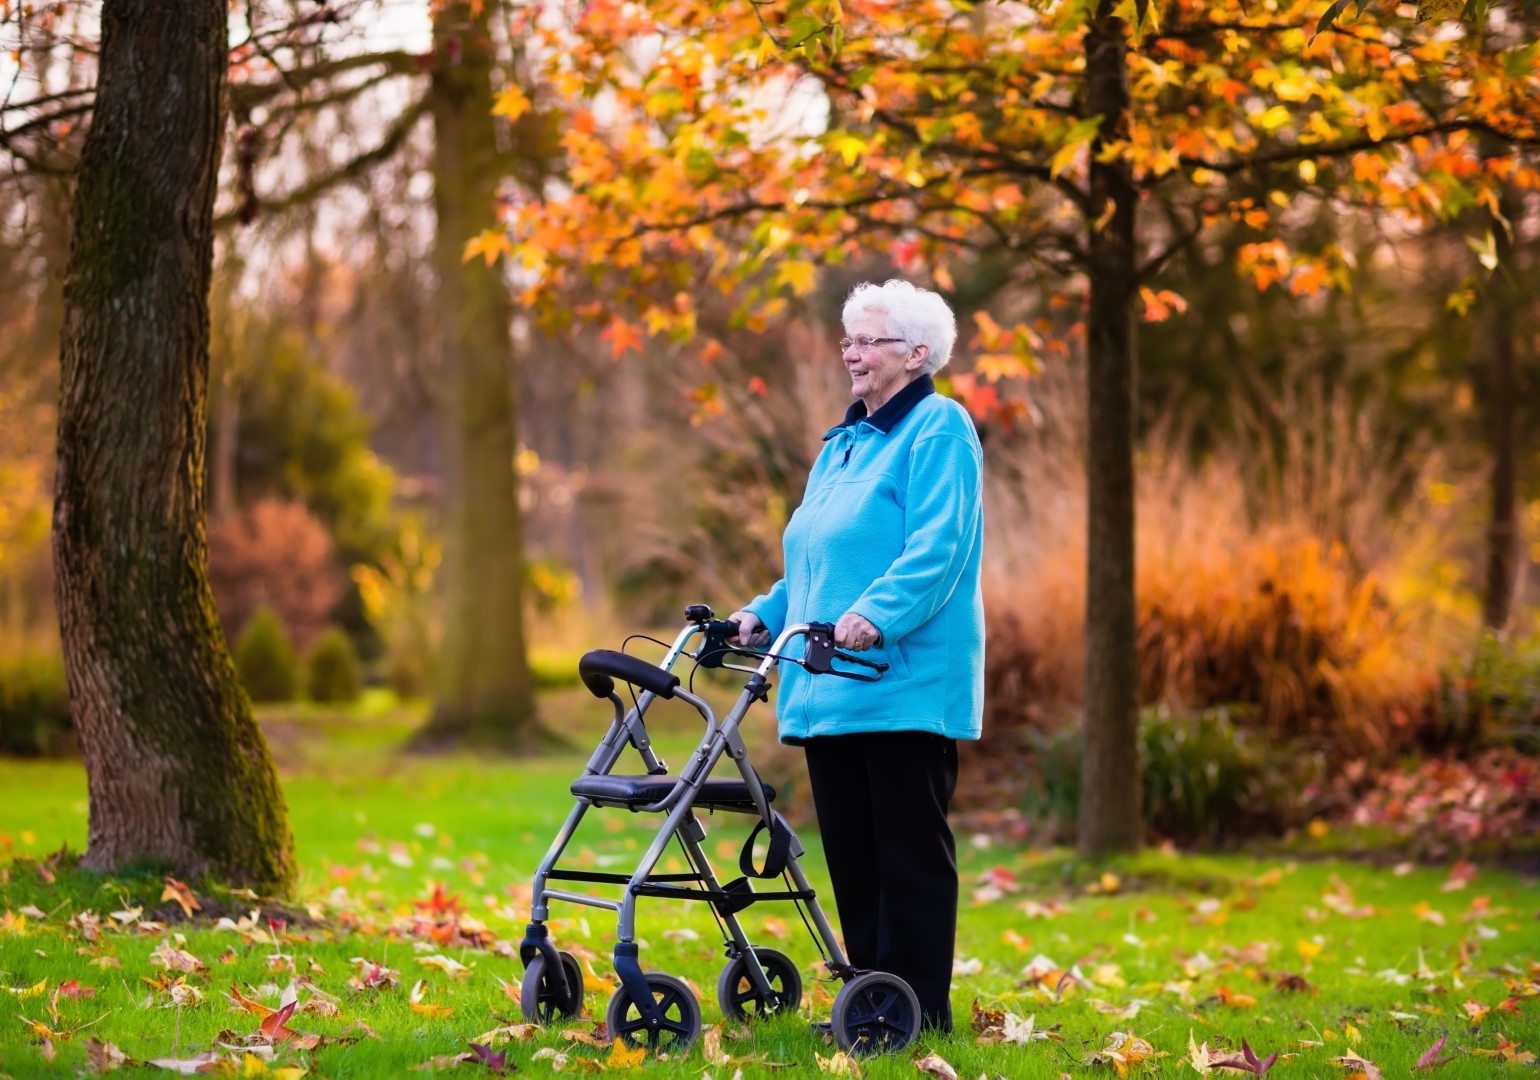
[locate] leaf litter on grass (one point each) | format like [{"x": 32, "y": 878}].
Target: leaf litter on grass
[{"x": 1268, "y": 949}]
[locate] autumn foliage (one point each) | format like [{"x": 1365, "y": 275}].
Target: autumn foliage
[{"x": 277, "y": 555}]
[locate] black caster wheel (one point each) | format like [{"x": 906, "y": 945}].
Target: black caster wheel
[
  {"x": 875, "y": 1013},
  {"x": 739, "y": 998},
  {"x": 681, "y": 1016},
  {"x": 541, "y": 1001}
]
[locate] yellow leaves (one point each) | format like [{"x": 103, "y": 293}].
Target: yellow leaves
[
  {"x": 1122, "y": 1052},
  {"x": 1424, "y": 910},
  {"x": 624, "y": 1057},
  {"x": 849, "y": 147},
  {"x": 799, "y": 274},
  {"x": 13, "y": 924},
  {"x": 1506, "y": 1051},
  {"x": 178, "y": 891},
  {"x": 1308, "y": 950},
  {"x": 1078, "y": 138},
  {"x": 37, "y": 989},
  {"x": 420, "y": 1005},
  {"x": 450, "y": 967},
  {"x": 840, "y": 1064},
  {"x": 511, "y": 102},
  {"x": 489, "y": 244}
]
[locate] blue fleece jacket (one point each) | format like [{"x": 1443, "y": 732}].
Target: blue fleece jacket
[{"x": 891, "y": 527}]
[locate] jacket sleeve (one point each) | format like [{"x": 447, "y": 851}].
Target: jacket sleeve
[
  {"x": 771, "y": 608},
  {"x": 942, "y": 520}
]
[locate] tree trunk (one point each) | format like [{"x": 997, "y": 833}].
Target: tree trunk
[
  {"x": 484, "y": 691},
  {"x": 1109, "y": 788},
  {"x": 1503, "y": 418},
  {"x": 177, "y": 769}
]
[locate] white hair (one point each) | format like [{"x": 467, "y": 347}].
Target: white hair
[{"x": 916, "y": 315}]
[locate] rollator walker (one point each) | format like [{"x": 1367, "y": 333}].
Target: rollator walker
[{"x": 873, "y": 1011}]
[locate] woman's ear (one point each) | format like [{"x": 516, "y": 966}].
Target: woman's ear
[{"x": 917, "y": 357}]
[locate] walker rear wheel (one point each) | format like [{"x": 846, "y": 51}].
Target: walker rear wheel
[
  {"x": 875, "y": 1013},
  {"x": 742, "y": 1000},
  {"x": 541, "y": 1000}
]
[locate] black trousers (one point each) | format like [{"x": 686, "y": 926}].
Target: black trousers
[{"x": 882, "y": 800}]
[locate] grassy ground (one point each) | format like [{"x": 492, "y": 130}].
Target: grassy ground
[{"x": 1160, "y": 945}]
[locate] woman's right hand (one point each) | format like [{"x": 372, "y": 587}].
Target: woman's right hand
[{"x": 751, "y": 632}]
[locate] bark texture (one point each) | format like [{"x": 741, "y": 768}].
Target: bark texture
[
  {"x": 178, "y": 772},
  {"x": 1501, "y": 331},
  {"x": 484, "y": 691},
  {"x": 1109, "y": 789}
]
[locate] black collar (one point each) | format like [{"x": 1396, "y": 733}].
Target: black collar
[{"x": 886, "y": 418}]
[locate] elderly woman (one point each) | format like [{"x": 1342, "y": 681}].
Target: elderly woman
[{"x": 888, "y": 540}]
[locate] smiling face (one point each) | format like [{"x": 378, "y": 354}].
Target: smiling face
[{"x": 880, "y": 371}]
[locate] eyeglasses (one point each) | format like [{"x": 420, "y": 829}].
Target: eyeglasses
[{"x": 863, "y": 343}]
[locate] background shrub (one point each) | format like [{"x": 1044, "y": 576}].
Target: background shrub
[
  {"x": 1495, "y": 701},
  {"x": 265, "y": 658},
  {"x": 35, "y": 716},
  {"x": 332, "y": 672},
  {"x": 275, "y": 555},
  {"x": 1203, "y": 779}
]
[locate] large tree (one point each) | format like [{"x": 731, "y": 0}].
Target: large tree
[
  {"x": 761, "y": 140},
  {"x": 177, "y": 769},
  {"x": 484, "y": 692}
]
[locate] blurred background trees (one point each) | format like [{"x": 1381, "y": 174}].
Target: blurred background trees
[{"x": 1336, "y": 455}]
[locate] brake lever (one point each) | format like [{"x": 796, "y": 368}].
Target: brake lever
[
  {"x": 716, "y": 646},
  {"x": 821, "y": 653}
]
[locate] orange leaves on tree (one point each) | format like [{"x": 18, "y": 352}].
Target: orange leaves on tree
[
  {"x": 1159, "y": 305},
  {"x": 489, "y": 244},
  {"x": 511, "y": 102},
  {"x": 622, "y": 336}
]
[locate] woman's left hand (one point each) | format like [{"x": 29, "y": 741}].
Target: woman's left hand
[{"x": 854, "y": 633}]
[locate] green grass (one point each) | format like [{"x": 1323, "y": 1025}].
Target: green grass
[{"x": 376, "y": 831}]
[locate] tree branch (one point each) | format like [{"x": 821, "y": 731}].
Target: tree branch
[{"x": 394, "y": 138}]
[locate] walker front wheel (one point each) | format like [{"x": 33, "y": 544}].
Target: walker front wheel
[
  {"x": 742, "y": 1000},
  {"x": 875, "y": 1013},
  {"x": 541, "y": 1000},
  {"x": 678, "y": 1027}
]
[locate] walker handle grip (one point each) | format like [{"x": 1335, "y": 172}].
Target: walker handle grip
[{"x": 600, "y": 668}]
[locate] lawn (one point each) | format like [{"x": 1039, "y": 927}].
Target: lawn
[{"x": 422, "y": 867}]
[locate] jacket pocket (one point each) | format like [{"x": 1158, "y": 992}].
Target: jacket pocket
[{"x": 893, "y": 656}]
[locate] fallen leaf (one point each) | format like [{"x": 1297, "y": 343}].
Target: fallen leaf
[
  {"x": 1506, "y": 1051},
  {"x": 1361, "y": 1066},
  {"x": 587, "y": 1038},
  {"x": 205, "y": 1062},
  {"x": 1294, "y": 984},
  {"x": 1430, "y": 1058},
  {"x": 936, "y": 1065},
  {"x": 178, "y": 891},
  {"x": 496, "y": 1060},
  {"x": 506, "y": 1033},
  {"x": 444, "y": 964},
  {"x": 443, "y": 1061},
  {"x": 427, "y": 1009},
  {"x": 1248, "y": 1061},
  {"x": 1198, "y": 1056},
  {"x": 246, "y": 1004},
  {"x": 623, "y": 1056},
  {"x": 104, "y": 1057},
  {"x": 841, "y": 1064},
  {"x": 711, "y": 1046}
]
